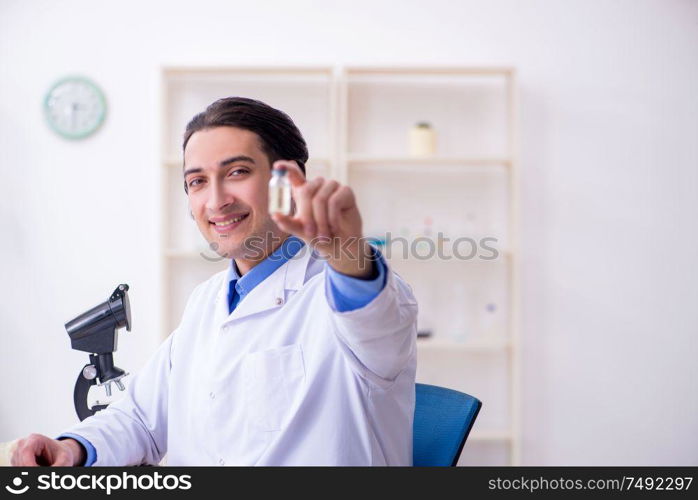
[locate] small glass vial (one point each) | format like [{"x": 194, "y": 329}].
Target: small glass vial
[
  {"x": 422, "y": 140},
  {"x": 279, "y": 192}
]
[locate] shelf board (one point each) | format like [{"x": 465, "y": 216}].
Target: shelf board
[
  {"x": 365, "y": 160},
  {"x": 281, "y": 76},
  {"x": 410, "y": 165},
  {"x": 354, "y": 71},
  {"x": 195, "y": 255},
  {"x": 397, "y": 258},
  {"x": 172, "y": 71},
  {"x": 471, "y": 345}
]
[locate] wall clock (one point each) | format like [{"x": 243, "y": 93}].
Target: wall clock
[{"x": 75, "y": 107}]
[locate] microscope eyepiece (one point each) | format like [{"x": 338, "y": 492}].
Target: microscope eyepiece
[
  {"x": 94, "y": 331},
  {"x": 121, "y": 307}
]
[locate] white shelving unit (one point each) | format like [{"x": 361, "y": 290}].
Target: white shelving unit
[{"x": 356, "y": 122}]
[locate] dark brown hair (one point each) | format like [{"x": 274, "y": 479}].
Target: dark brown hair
[{"x": 280, "y": 138}]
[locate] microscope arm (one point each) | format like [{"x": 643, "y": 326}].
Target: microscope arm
[{"x": 82, "y": 388}]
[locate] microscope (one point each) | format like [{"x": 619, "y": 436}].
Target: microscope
[{"x": 95, "y": 332}]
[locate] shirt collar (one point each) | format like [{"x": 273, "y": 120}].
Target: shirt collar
[{"x": 245, "y": 284}]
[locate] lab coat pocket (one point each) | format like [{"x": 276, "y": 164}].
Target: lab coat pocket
[{"x": 273, "y": 379}]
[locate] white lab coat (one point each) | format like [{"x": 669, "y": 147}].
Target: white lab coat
[{"x": 283, "y": 380}]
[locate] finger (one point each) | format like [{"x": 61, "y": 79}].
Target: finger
[
  {"x": 304, "y": 202},
  {"x": 341, "y": 199},
  {"x": 45, "y": 453},
  {"x": 27, "y": 456},
  {"x": 288, "y": 224},
  {"x": 320, "y": 207},
  {"x": 295, "y": 174}
]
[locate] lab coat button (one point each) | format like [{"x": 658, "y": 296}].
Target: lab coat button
[
  {"x": 279, "y": 301},
  {"x": 221, "y": 461},
  {"x": 211, "y": 395}
]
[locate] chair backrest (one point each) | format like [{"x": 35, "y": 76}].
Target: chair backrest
[{"x": 442, "y": 421}]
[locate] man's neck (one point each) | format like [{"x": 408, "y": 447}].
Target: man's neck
[{"x": 244, "y": 265}]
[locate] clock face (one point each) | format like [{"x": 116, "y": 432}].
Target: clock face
[{"x": 75, "y": 107}]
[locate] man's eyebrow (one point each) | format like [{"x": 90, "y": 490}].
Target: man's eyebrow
[
  {"x": 223, "y": 163},
  {"x": 192, "y": 171},
  {"x": 233, "y": 159}
]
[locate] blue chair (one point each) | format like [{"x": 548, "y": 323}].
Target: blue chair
[{"x": 442, "y": 421}]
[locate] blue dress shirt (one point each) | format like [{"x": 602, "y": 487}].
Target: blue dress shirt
[
  {"x": 91, "y": 452},
  {"x": 346, "y": 292}
]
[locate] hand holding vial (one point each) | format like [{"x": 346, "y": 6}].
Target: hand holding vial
[{"x": 326, "y": 217}]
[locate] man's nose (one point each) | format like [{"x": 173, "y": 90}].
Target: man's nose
[{"x": 218, "y": 199}]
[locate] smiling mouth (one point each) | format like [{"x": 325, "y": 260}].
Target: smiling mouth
[{"x": 229, "y": 224}]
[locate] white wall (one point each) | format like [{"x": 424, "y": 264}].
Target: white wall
[{"x": 609, "y": 160}]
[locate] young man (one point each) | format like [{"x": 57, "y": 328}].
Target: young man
[{"x": 302, "y": 353}]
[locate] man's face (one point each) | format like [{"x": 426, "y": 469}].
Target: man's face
[{"x": 227, "y": 175}]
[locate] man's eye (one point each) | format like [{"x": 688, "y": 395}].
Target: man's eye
[
  {"x": 238, "y": 172},
  {"x": 194, "y": 182}
]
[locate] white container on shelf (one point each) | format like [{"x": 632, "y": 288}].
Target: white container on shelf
[{"x": 422, "y": 140}]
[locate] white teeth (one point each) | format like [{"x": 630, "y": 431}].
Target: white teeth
[{"x": 230, "y": 221}]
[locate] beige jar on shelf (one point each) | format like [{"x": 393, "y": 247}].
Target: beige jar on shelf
[{"x": 422, "y": 140}]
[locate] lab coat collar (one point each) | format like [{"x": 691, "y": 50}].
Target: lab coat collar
[{"x": 269, "y": 294}]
